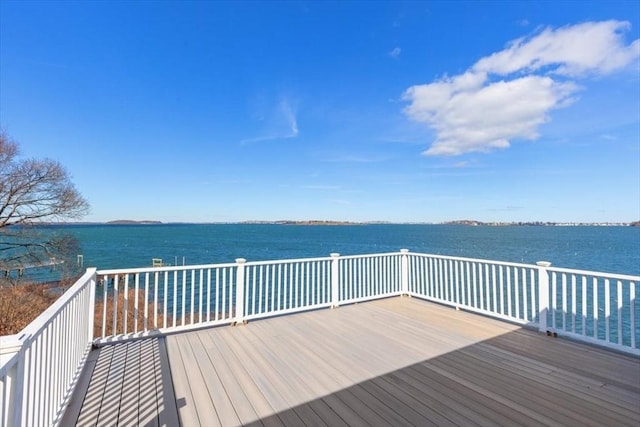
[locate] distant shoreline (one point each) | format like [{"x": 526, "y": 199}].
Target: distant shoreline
[
  {"x": 129, "y": 221},
  {"x": 472, "y": 223}
]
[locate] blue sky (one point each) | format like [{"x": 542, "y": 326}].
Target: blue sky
[{"x": 359, "y": 111}]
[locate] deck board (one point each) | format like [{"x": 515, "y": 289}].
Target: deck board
[
  {"x": 397, "y": 361},
  {"x": 130, "y": 385},
  {"x": 186, "y": 415},
  {"x": 147, "y": 409}
]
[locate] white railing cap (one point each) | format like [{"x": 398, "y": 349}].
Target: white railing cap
[
  {"x": 9, "y": 346},
  {"x": 10, "y": 343}
]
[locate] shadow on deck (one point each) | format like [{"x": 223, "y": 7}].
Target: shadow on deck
[
  {"x": 126, "y": 384},
  {"x": 478, "y": 386},
  {"x": 399, "y": 361}
]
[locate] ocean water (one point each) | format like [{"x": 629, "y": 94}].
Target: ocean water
[{"x": 603, "y": 249}]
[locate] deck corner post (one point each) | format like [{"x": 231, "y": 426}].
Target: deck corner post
[
  {"x": 404, "y": 272},
  {"x": 335, "y": 280},
  {"x": 93, "y": 281},
  {"x": 13, "y": 347},
  {"x": 543, "y": 294},
  {"x": 239, "y": 314}
]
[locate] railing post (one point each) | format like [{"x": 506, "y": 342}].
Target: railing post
[
  {"x": 239, "y": 315},
  {"x": 13, "y": 347},
  {"x": 92, "y": 302},
  {"x": 404, "y": 272},
  {"x": 335, "y": 279},
  {"x": 543, "y": 294}
]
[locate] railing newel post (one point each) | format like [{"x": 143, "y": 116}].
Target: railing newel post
[
  {"x": 335, "y": 280},
  {"x": 239, "y": 314},
  {"x": 92, "y": 303},
  {"x": 13, "y": 346},
  {"x": 20, "y": 409},
  {"x": 543, "y": 294},
  {"x": 404, "y": 272}
]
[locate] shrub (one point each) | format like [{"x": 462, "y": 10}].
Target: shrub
[
  {"x": 20, "y": 305},
  {"x": 132, "y": 314}
]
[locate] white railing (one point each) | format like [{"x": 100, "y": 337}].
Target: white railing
[
  {"x": 39, "y": 366},
  {"x": 508, "y": 291},
  {"x": 281, "y": 287},
  {"x": 598, "y": 308},
  {"x": 594, "y": 307},
  {"x": 137, "y": 302},
  {"x": 368, "y": 277}
]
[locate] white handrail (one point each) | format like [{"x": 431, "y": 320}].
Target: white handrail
[
  {"x": 508, "y": 291},
  {"x": 594, "y": 307},
  {"x": 48, "y": 355},
  {"x": 599, "y": 308},
  {"x": 151, "y": 300}
]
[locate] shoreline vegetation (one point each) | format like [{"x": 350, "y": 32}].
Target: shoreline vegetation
[
  {"x": 314, "y": 222},
  {"x": 21, "y": 304}
]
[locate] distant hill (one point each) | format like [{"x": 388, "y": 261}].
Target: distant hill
[
  {"x": 129, "y": 221},
  {"x": 314, "y": 222}
]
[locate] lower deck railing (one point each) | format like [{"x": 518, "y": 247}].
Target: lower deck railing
[{"x": 130, "y": 303}]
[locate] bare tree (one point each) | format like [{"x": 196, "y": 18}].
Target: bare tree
[{"x": 34, "y": 192}]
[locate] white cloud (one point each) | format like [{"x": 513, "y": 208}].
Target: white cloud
[
  {"x": 591, "y": 47},
  {"x": 509, "y": 94},
  {"x": 290, "y": 118},
  {"x": 280, "y": 124},
  {"x": 395, "y": 52},
  {"x": 490, "y": 116}
]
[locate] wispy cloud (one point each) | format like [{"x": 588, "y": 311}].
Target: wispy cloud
[
  {"x": 509, "y": 94},
  {"x": 339, "y": 202},
  {"x": 290, "y": 118},
  {"x": 321, "y": 187},
  {"x": 395, "y": 52},
  {"x": 357, "y": 158},
  {"x": 281, "y": 123}
]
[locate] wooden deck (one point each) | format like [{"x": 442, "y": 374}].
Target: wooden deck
[{"x": 398, "y": 361}]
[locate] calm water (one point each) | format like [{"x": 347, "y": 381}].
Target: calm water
[{"x": 604, "y": 249}]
